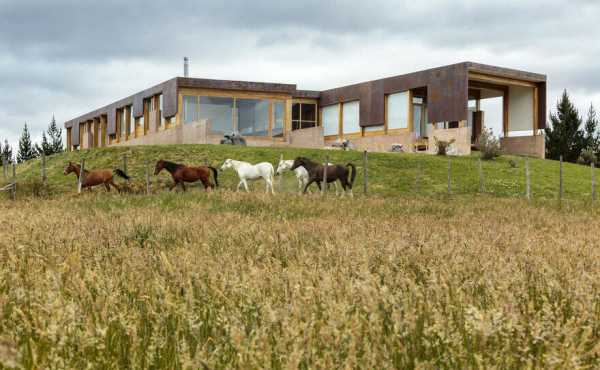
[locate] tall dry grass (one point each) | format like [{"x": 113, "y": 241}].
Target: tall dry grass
[{"x": 234, "y": 280}]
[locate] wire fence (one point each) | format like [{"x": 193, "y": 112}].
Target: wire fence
[{"x": 462, "y": 177}]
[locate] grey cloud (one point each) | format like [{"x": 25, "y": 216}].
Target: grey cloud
[{"x": 69, "y": 56}]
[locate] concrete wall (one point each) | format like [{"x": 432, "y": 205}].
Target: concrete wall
[
  {"x": 534, "y": 146},
  {"x": 307, "y": 138},
  {"x": 383, "y": 143},
  {"x": 461, "y": 135}
]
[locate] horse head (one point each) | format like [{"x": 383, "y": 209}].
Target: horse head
[
  {"x": 282, "y": 166},
  {"x": 69, "y": 168},
  {"x": 227, "y": 164},
  {"x": 160, "y": 165},
  {"x": 300, "y": 162}
]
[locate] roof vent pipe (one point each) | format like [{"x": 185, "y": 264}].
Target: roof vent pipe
[{"x": 186, "y": 67}]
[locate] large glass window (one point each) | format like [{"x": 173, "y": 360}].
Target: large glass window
[
  {"x": 253, "y": 117},
  {"x": 161, "y": 119},
  {"x": 351, "y": 117},
  {"x": 131, "y": 120},
  {"x": 218, "y": 112},
  {"x": 304, "y": 115},
  {"x": 398, "y": 110},
  {"x": 190, "y": 109},
  {"x": 278, "y": 118},
  {"x": 331, "y": 120}
]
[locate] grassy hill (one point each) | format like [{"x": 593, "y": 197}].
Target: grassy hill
[{"x": 389, "y": 174}]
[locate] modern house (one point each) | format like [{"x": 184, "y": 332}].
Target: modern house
[{"x": 411, "y": 110}]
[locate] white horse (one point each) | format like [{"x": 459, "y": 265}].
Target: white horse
[
  {"x": 247, "y": 171},
  {"x": 301, "y": 173}
]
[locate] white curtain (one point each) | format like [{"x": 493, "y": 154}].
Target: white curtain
[
  {"x": 398, "y": 110},
  {"x": 331, "y": 120},
  {"x": 351, "y": 117}
]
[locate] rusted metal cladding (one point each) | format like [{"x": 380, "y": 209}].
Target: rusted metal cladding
[
  {"x": 542, "y": 105},
  {"x": 111, "y": 121},
  {"x": 447, "y": 94},
  {"x": 75, "y": 134}
]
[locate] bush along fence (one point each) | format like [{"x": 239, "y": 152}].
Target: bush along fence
[{"x": 452, "y": 186}]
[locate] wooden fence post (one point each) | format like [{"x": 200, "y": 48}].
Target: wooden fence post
[
  {"x": 146, "y": 164},
  {"x": 324, "y": 183},
  {"x": 449, "y": 176},
  {"x": 280, "y": 177},
  {"x": 593, "y": 182},
  {"x": 80, "y": 179},
  {"x": 561, "y": 184},
  {"x": 481, "y": 178},
  {"x": 125, "y": 164},
  {"x": 366, "y": 171},
  {"x": 418, "y": 178},
  {"x": 44, "y": 177},
  {"x": 527, "y": 180},
  {"x": 13, "y": 191}
]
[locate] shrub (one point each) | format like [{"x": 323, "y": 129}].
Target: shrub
[
  {"x": 488, "y": 145},
  {"x": 587, "y": 157},
  {"x": 442, "y": 146}
]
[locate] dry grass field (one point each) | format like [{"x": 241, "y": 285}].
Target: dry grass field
[{"x": 229, "y": 280}]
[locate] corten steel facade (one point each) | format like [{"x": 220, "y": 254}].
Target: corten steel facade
[{"x": 411, "y": 110}]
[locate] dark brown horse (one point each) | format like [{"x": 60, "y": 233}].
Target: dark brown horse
[
  {"x": 182, "y": 174},
  {"x": 334, "y": 173},
  {"x": 97, "y": 177}
]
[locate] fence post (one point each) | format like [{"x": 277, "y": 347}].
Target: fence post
[
  {"x": 449, "y": 176},
  {"x": 527, "y": 180},
  {"x": 593, "y": 182},
  {"x": 280, "y": 177},
  {"x": 44, "y": 178},
  {"x": 481, "y": 178},
  {"x": 13, "y": 190},
  {"x": 324, "y": 183},
  {"x": 148, "y": 190},
  {"x": 80, "y": 179},
  {"x": 125, "y": 164},
  {"x": 366, "y": 171},
  {"x": 418, "y": 178},
  {"x": 561, "y": 184}
]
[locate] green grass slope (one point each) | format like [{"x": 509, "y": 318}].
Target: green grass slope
[{"x": 390, "y": 174}]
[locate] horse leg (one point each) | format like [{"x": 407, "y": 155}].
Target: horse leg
[
  {"x": 115, "y": 186},
  {"x": 107, "y": 187},
  {"x": 271, "y": 185},
  {"x": 246, "y": 185},
  {"x": 183, "y": 186},
  {"x": 173, "y": 186},
  {"x": 310, "y": 181},
  {"x": 240, "y": 185}
]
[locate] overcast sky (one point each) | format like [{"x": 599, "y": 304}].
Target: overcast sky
[{"x": 67, "y": 57}]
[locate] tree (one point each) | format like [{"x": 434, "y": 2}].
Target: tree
[
  {"x": 45, "y": 148},
  {"x": 55, "y": 135},
  {"x": 564, "y": 136},
  {"x": 590, "y": 139},
  {"x": 7, "y": 152},
  {"x": 26, "y": 148}
]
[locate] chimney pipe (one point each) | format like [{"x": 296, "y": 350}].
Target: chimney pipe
[{"x": 186, "y": 67}]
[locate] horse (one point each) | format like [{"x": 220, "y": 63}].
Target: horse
[
  {"x": 301, "y": 173},
  {"x": 247, "y": 171},
  {"x": 334, "y": 173},
  {"x": 97, "y": 177},
  {"x": 182, "y": 174}
]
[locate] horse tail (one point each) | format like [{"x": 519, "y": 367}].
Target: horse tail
[
  {"x": 215, "y": 175},
  {"x": 121, "y": 173},
  {"x": 352, "y": 174}
]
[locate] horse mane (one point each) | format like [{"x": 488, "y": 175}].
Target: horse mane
[{"x": 171, "y": 166}]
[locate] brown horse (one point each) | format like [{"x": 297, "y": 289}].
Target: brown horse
[
  {"x": 334, "y": 173},
  {"x": 182, "y": 174},
  {"x": 97, "y": 177}
]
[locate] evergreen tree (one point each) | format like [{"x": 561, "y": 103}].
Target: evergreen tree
[
  {"x": 591, "y": 139},
  {"x": 55, "y": 135},
  {"x": 564, "y": 136},
  {"x": 26, "y": 148},
  {"x": 7, "y": 152},
  {"x": 45, "y": 148}
]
